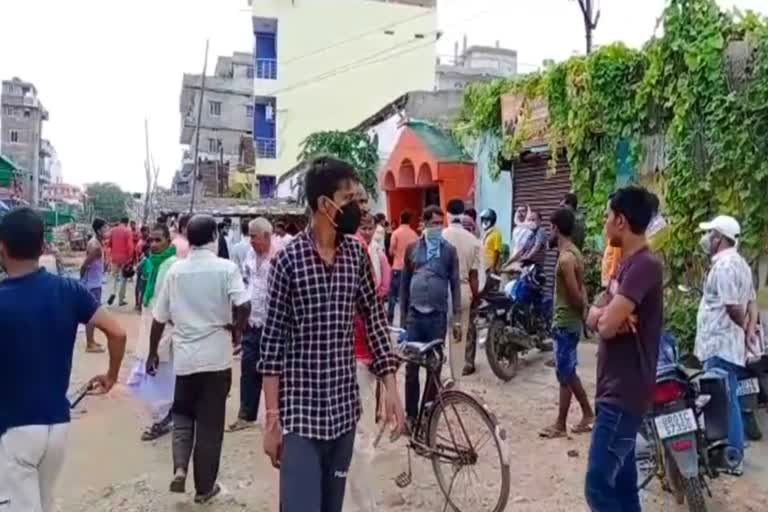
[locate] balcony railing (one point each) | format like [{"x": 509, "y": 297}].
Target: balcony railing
[
  {"x": 265, "y": 147},
  {"x": 266, "y": 69}
]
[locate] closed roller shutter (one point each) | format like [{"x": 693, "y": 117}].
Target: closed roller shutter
[{"x": 534, "y": 186}]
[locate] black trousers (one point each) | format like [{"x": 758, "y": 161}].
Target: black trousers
[
  {"x": 250, "y": 379},
  {"x": 198, "y": 411}
]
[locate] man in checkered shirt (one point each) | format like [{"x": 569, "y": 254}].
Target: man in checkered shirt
[{"x": 316, "y": 284}]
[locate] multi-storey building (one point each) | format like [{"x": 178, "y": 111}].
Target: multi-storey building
[
  {"x": 22, "y": 126},
  {"x": 227, "y": 112},
  {"x": 476, "y": 63},
  {"x": 326, "y": 64}
]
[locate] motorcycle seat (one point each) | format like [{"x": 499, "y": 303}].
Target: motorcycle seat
[{"x": 497, "y": 299}]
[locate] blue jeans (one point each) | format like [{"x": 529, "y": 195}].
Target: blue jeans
[
  {"x": 735, "y": 422},
  {"x": 313, "y": 473},
  {"x": 421, "y": 327},
  {"x": 611, "y": 484},
  {"x": 566, "y": 358},
  {"x": 394, "y": 296},
  {"x": 250, "y": 379}
]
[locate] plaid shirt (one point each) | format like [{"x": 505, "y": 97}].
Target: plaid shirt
[{"x": 308, "y": 338}]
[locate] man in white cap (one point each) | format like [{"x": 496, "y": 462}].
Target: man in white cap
[{"x": 727, "y": 317}]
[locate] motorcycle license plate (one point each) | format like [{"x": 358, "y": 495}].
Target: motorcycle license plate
[
  {"x": 676, "y": 424},
  {"x": 748, "y": 387}
]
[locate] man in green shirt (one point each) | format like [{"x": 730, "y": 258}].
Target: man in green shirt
[{"x": 570, "y": 304}]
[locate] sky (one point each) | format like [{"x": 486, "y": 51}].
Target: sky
[{"x": 102, "y": 66}]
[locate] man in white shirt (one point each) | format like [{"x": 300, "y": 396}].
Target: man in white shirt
[
  {"x": 205, "y": 299},
  {"x": 469, "y": 250},
  {"x": 727, "y": 318},
  {"x": 240, "y": 250},
  {"x": 256, "y": 268}
]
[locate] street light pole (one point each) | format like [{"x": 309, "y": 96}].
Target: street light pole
[{"x": 197, "y": 131}]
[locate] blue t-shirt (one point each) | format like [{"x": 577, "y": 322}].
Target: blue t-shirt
[{"x": 39, "y": 315}]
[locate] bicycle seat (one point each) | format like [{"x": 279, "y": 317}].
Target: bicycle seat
[
  {"x": 422, "y": 348},
  {"x": 418, "y": 352}
]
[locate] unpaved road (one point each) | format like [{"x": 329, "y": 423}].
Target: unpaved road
[{"x": 109, "y": 469}]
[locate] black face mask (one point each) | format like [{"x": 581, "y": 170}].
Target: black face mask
[{"x": 347, "y": 218}]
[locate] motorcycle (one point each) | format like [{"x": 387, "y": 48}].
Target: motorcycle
[
  {"x": 686, "y": 434},
  {"x": 753, "y": 385},
  {"x": 516, "y": 322}
]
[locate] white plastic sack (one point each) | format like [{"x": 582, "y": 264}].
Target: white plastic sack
[{"x": 155, "y": 392}]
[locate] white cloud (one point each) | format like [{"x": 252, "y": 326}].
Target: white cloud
[{"x": 102, "y": 66}]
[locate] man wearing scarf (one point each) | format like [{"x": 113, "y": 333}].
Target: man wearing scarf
[
  {"x": 158, "y": 391},
  {"x": 430, "y": 276}
]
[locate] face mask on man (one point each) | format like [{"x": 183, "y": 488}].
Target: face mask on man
[
  {"x": 486, "y": 225},
  {"x": 708, "y": 243},
  {"x": 346, "y": 220},
  {"x": 433, "y": 233}
]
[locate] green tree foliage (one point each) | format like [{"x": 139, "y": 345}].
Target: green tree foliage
[
  {"x": 108, "y": 201},
  {"x": 679, "y": 86},
  {"x": 353, "y": 147}
]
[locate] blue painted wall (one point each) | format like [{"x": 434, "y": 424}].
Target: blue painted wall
[{"x": 493, "y": 194}]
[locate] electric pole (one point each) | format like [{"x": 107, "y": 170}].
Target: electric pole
[
  {"x": 147, "y": 174},
  {"x": 197, "y": 130},
  {"x": 590, "y": 20}
]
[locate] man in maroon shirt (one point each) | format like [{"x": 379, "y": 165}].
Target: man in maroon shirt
[
  {"x": 121, "y": 242},
  {"x": 629, "y": 320}
]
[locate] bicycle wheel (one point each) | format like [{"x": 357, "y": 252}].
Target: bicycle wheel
[{"x": 469, "y": 454}]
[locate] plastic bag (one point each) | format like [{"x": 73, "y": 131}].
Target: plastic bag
[{"x": 155, "y": 392}]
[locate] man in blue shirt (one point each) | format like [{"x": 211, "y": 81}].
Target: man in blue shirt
[
  {"x": 39, "y": 316},
  {"x": 430, "y": 276}
]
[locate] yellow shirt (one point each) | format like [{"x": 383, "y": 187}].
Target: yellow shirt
[{"x": 492, "y": 245}]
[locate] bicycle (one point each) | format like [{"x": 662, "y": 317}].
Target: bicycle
[{"x": 453, "y": 451}]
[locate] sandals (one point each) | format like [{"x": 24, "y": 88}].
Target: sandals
[
  {"x": 95, "y": 349},
  {"x": 179, "y": 484},
  {"x": 552, "y": 433},
  {"x": 582, "y": 428},
  {"x": 156, "y": 431},
  {"x": 241, "y": 424},
  {"x": 202, "y": 499}
]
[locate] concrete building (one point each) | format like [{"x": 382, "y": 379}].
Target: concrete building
[
  {"x": 227, "y": 112},
  {"x": 22, "y": 126},
  {"x": 474, "y": 64},
  {"x": 63, "y": 193},
  {"x": 50, "y": 165},
  {"x": 326, "y": 64}
]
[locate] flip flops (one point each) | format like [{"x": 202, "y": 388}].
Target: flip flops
[
  {"x": 552, "y": 433},
  {"x": 582, "y": 428}
]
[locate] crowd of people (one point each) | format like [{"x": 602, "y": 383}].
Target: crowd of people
[{"x": 308, "y": 314}]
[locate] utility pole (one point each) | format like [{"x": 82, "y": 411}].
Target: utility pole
[
  {"x": 220, "y": 171},
  {"x": 147, "y": 174},
  {"x": 590, "y": 20},
  {"x": 197, "y": 131}
]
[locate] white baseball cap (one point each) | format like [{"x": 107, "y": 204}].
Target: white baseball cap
[{"x": 723, "y": 224}]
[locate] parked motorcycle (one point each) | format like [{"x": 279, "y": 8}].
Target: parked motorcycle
[
  {"x": 686, "y": 434},
  {"x": 753, "y": 386},
  {"x": 516, "y": 322}
]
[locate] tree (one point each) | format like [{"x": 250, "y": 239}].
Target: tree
[
  {"x": 353, "y": 147},
  {"x": 107, "y": 200}
]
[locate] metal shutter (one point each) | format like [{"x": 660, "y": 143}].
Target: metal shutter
[{"x": 534, "y": 186}]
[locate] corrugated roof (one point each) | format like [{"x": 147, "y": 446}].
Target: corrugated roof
[{"x": 439, "y": 143}]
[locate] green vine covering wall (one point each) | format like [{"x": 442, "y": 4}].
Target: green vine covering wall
[{"x": 683, "y": 86}]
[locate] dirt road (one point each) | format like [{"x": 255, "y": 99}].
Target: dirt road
[{"x": 109, "y": 469}]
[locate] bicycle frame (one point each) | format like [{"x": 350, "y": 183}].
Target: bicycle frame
[{"x": 452, "y": 454}]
